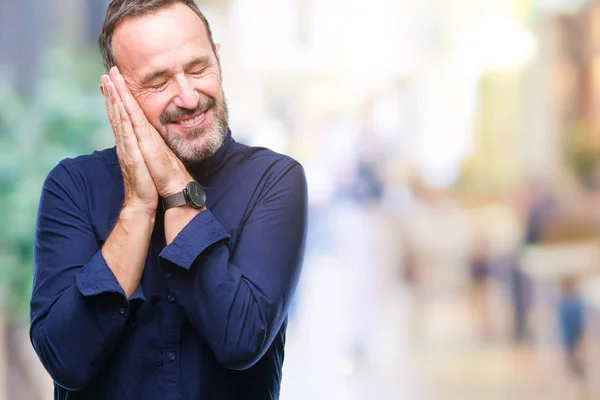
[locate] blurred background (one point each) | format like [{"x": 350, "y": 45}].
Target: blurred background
[{"x": 452, "y": 154}]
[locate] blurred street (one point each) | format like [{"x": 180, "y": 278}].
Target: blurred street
[
  {"x": 419, "y": 349},
  {"x": 442, "y": 338}
]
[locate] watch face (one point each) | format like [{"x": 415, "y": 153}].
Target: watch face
[{"x": 196, "y": 194}]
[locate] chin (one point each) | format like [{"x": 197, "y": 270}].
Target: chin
[{"x": 194, "y": 150}]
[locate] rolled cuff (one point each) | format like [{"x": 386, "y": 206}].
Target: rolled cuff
[{"x": 200, "y": 233}]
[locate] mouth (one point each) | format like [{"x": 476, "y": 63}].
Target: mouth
[{"x": 192, "y": 122}]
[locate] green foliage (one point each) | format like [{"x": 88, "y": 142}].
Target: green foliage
[{"x": 65, "y": 118}]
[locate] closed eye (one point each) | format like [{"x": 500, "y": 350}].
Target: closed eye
[
  {"x": 158, "y": 86},
  {"x": 197, "y": 72}
]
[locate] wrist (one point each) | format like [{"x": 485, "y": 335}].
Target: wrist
[
  {"x": 184, "y": 210},
  {"x": 131, "y": 212},
  {"x": 175, "y": 188},
  {"x": 176, "y": 184}
]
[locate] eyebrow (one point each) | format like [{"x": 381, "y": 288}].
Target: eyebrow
[{"x": 198, "y": 61}]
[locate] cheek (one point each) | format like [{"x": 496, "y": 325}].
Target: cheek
[
  {"x": 209, "y": 86},
  {"x": 153, "y": 106}
]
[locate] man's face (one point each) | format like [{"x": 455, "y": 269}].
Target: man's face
[{"x": 170, "y": 68}]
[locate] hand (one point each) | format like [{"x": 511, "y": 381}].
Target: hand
[
  {"x": 139, "y": 187},
  {"x": 168, "y": 172}
]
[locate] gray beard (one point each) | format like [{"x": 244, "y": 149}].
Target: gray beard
[{"x": 189, "y": 153}]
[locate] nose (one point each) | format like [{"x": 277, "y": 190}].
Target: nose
[{"x": 187, "y": 96}]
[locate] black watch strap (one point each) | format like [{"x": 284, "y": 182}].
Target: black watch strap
[{"x": 174, "y": 200}]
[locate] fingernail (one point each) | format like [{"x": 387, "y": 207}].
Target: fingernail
[
  {"x": 104, "y": 80},
  {"x": 102, "y": 89}
]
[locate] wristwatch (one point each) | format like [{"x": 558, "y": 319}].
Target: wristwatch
[{"x": 193, "y": 195}]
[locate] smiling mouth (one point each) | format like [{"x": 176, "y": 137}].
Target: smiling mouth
[{"x": 193, "y": 122}]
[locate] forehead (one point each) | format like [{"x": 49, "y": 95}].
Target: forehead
[{"x": 169, "y": 36}]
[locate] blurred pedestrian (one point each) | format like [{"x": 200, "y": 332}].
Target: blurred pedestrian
[{"x": 571, "y": 322}]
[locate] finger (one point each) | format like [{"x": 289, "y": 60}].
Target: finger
[
  {"x": 117, "y": 128},
  {"x": 130, "y": 142},
  {"x": 113, "y": 114},
  {"x": 112, "y": 92},
  {"x": 109, "y": 109},
  {"x": 138, "y": 119},
  {"x": 121, "y": 124},
  {"x": 131, "y": 105},
  {"x": 107, "y": 99}
]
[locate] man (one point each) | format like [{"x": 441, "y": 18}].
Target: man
[{"x": 164, "y": 267}]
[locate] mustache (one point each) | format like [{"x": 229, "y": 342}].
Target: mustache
[{"x": 169, "y": 116}]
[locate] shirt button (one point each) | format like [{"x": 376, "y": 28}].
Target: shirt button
[
  {"x": 171, "y": 298},
  {"x": 122, "y": 311},
  {"x": 171, "y": 356},
  {"x": 169, "y": 274}
]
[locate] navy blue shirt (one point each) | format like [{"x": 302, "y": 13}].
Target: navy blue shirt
[{"x": 208, "y": 319}]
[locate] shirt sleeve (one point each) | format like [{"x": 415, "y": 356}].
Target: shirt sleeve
[
  {"x": 238, "y": 300},
  {"x": 78, "y": 308}
]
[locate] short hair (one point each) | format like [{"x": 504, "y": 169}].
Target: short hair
[{"x": 119, "y": 10}]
